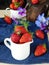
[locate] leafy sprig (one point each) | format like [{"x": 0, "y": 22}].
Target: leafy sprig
[{"x": 25, "y": 23}]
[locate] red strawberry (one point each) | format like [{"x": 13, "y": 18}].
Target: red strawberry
[
  {"x": 15, "y": 7},
  {"x": 12, "y": 5},
  {"x": 18, "y": 1},
  {"x": 26, "y": 38},
  {"x": 15, "y": 1},
  {"x": 39, "y": 34},
  {"x": 35, "y": 1},
  {"x": 20, "y": 29},
  {"x": 15, "y": 38},
  {"x": 40, "y": 50},
  {"x": 8, "y": 19}
]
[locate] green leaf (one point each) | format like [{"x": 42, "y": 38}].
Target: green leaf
[
  {"x": 17, "y": 4},
  {"x": 25, "y": 23},
  {"x": 44, "y": 45}
]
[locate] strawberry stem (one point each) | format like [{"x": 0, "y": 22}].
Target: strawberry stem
[
  {"x": 44, "y": 45},
  {"x": 17, "y": 4},
  {"x": 32, "y": 33}
]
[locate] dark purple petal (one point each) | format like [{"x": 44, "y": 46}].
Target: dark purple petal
[
  {"x": 46, "y": 31},
  {"x": 42, "y": 28},
  {"x": 20, "y": 13}
]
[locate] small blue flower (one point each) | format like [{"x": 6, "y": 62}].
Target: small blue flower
[
  {"x": 38, "y": 23},
  {"x": 42, "y": 22}
]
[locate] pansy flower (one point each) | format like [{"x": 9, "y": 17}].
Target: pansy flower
[
  {"x": 22, "y": 11},
  {"x": 42, "y": 22}
]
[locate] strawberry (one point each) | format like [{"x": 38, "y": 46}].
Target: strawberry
[
  {"x": 34, "y": 1},
  {"x": 26, "y": 38},
  {"x": 12, "y": 5},
  {"x": 8, "y": 19},
  {"x": 15, "y": 7},
  {"x": 15, "y": 38},
  {"x": 20, "y": 29},
  {"x": 18, "y": 1},
  {"x": 39, "y": 34},
  {"x": 13, "y": 1},
  {"x": 40, "y": 50}
]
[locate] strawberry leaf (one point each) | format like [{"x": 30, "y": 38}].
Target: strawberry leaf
[
  {"x": 25, "y": 23},
  {"x": 32, "y": 33},
  {"x": 17, "y": 4},
  {"x": 44, "y": 45}
]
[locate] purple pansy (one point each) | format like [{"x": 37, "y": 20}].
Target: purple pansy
[
  {"x": 42, "y": 22},
  {"x": 22, "y": 11}
]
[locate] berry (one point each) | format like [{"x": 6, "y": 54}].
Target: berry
[
  {"x": 15, "y": 38},
  {"x": 18, "y": 1},
  {"x": 20, "y": 29},
  {"x": 15, "y": 1},
  {"x": 8, "y": 19},
  {"x": 35, "y": 1},
  {"x": 26, "y": 38},
  {"x": 40, "y": 50},
  {"x": 15, "y": 7},
  {"x": 12, "y": 5},
  {"x": 39, "y": 34}
]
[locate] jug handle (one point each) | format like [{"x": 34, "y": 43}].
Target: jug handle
[
  {"x": 6, "y": 42},
  {"x": 7, "y": 8}
]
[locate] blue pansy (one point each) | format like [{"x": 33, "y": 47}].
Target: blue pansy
[
  {"x": 38, "y": 23},
  {"x": 42, "y": 22}
]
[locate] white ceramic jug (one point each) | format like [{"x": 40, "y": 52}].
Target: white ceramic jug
[{"x": 18, "y": 51}]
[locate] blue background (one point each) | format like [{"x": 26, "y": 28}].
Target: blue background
[{"x": 5, "y": 54}]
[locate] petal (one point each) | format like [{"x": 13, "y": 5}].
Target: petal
[
  {"x": 43, "y": 19},
  {"x": 20, "y": 13},
  {"x": 46, "y": 31},
  {"x": 47, "y": 18},
  {"x": 39, "y": 18},
  {"x": 38, "y": 23},
  {"x": 43, "y": 14}
]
